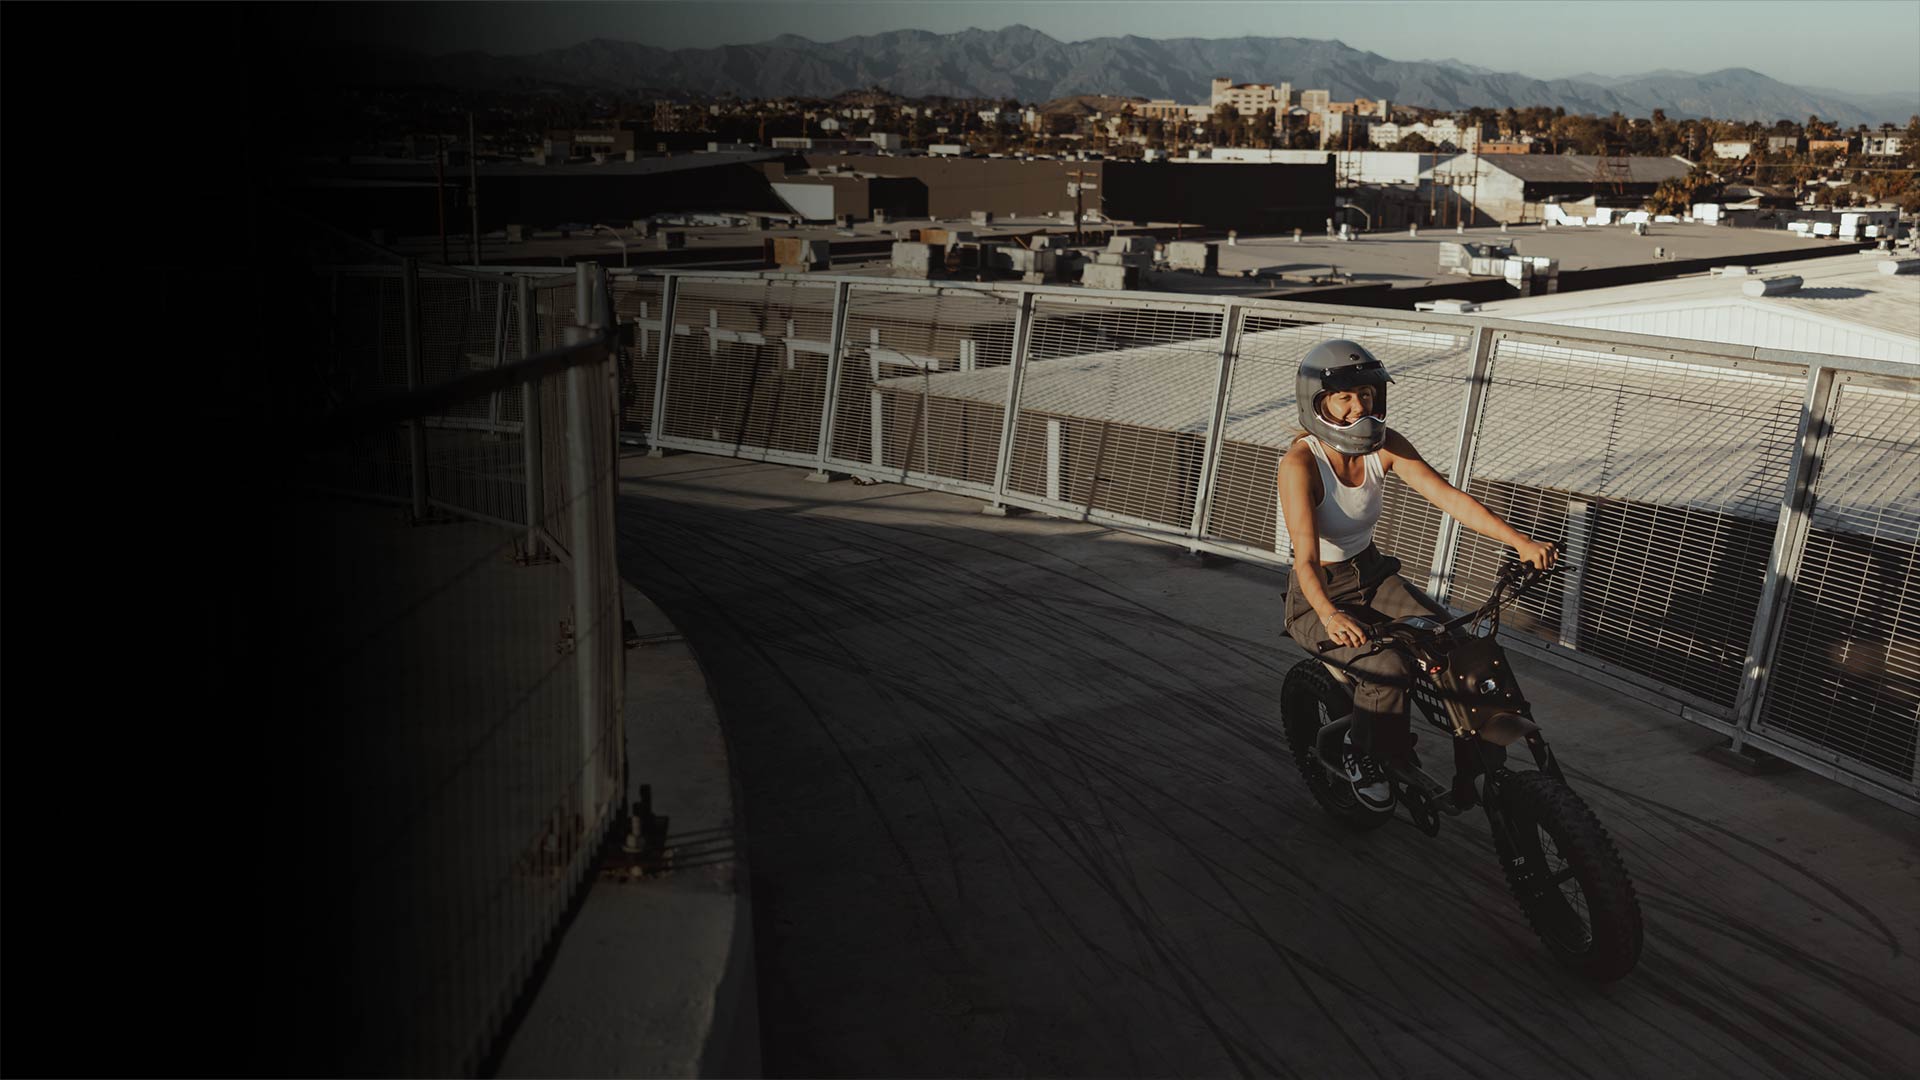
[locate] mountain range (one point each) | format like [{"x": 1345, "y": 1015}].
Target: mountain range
[{"x": 1023, "y": 63}]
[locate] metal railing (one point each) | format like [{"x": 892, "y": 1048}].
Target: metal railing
[
  {"x": 1744, "y": 520},
  {"x": 472, "y": 670}
]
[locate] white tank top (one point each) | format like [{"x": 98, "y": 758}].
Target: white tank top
[{"x": 1346, "y": 515}]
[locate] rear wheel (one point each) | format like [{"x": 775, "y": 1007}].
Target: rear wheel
[
  {"x": 1310, "y": 699},
  {"x": 1569, "y": 878}
]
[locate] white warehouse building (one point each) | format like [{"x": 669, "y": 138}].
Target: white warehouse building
[{"x": 1843, "y": 304}]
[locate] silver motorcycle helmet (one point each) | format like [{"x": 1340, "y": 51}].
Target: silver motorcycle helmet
[{"x": 1342, "y": 365}]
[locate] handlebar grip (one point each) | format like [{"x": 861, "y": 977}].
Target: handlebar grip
[{"x": 1327, "y": 643}]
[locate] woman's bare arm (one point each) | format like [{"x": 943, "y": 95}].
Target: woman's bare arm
[{"x": 1407, "y": 463}]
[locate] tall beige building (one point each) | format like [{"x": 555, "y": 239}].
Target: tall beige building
[{"x": 1247, "y": 98}]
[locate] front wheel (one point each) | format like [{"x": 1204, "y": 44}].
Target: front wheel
[
  {"x": 1310, "y": 699},
  {"x": 1569, "y": 879}
]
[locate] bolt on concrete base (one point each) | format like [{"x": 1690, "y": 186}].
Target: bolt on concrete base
[{"x": 1746, "y": 759}]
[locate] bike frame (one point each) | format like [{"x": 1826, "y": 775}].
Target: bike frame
[{"x": 1474, "y": 755}]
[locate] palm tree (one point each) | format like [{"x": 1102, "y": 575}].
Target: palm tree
[{"x": 1224, "y": 118}]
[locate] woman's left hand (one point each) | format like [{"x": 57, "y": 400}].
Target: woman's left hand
[{"x": 1536, "y": 554}]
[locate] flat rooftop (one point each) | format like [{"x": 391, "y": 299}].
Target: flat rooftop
[
  {"x": 375, "y": 173},
  {"x": 1408, "y": 261},
  {"x": 546, "y": 245},
  {"x": 1255, "y": 265},
  {"x": 1878, "y": 315}
]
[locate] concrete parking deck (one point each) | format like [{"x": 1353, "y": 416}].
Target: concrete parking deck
[{"x": 1015, "y": 801}]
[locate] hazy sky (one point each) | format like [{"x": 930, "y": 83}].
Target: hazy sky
[{"x": 1870, "y": 46}]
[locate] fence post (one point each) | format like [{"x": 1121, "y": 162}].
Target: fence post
[
  {"x": 607, "y": 320},
  {"x": 499, "y": 352},
  {"x": 842, "y": 299},
  {"x": 669, "y": 295},
  {"x": 1022, "y": 333},
  {"x": 1446, "y": 544},
  {"x": 1789, "y": 541},
  {"x": 530, "y": 436},
  {"x": 416, "y": 380},
  {"x": 1222, "y": 391},
  {"x": 589, "y": 629}
]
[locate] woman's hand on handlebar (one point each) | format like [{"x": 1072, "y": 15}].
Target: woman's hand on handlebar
[
  {"x": 1540, "y": 556},
  {"x": 1344, "y": 629}
]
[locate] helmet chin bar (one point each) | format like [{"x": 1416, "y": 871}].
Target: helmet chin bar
[{"x": 1363, "y": 436}]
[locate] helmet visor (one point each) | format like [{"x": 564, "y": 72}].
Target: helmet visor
[{"x": 1349, "y": 376}]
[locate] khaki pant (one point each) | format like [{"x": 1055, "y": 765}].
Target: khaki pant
[{"x": 1368, "y": 587}]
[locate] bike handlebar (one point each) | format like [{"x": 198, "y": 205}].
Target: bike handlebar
[{"x": 1510, "y": 572}]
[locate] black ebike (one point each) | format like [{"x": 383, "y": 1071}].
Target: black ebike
[{"x": 1559, "y": 861}]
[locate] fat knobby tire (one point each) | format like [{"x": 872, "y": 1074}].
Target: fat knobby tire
[
  {"x": 1308, "y": 686},
  {"x": 1613, "y": 948}
]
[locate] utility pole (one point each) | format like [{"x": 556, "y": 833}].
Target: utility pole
[
  {"x": 473, "y": 186},
  {"x": 1433, "y": 188},
  {"x": 1474, "y": 219},
  {"x": 1077, "y": 189},
  {"x": 440, "y": 192}
]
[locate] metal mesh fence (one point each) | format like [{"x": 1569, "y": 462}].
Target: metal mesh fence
[
  {"x": 637, "y": 301},
  {"x": 553, "y": 310},
  {"x": 1114, "y": 409},
  {"x": 464, "y": 697},
  {"x": 554, "y": 478},
  {"x": 1663, "y": 473},
  {"x": 1665, "y": 479},
  {"x": 923, "y": 383},
  {"x": 461, "y": 332},
  {"x": 732, "y": 379},
  {"x": 1844, "y": 682},
  {"x": 476, "y": 472}
]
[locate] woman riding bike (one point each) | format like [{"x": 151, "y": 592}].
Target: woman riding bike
[{"x": 1330, "y": 487}]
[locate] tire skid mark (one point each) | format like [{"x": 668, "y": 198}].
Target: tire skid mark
[
  {"x": 1026, "y": 867},
  {"x": 955, "y": 570},
  {"x": 1132, "y": 768},
  {"x": 1673, "y": 814},
  {"x": 1172, "y": 958},
  {"x": 1333, "y": 1023},
  {"x": 1866, "y": 997},
  {"x": 971, "y": 671},
  {"x": 853, "y": 770},
  {"x": 1081, "y": 851},
  {"x": 1091, "y": 865},
  {"x": 1441, "y": 1043},
  {"x": 1415, "y": 957},
  {"x": 1769, "y": 1034}
]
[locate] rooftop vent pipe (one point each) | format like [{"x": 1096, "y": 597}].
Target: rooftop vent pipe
[{"x": 1773, "y": 286}]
